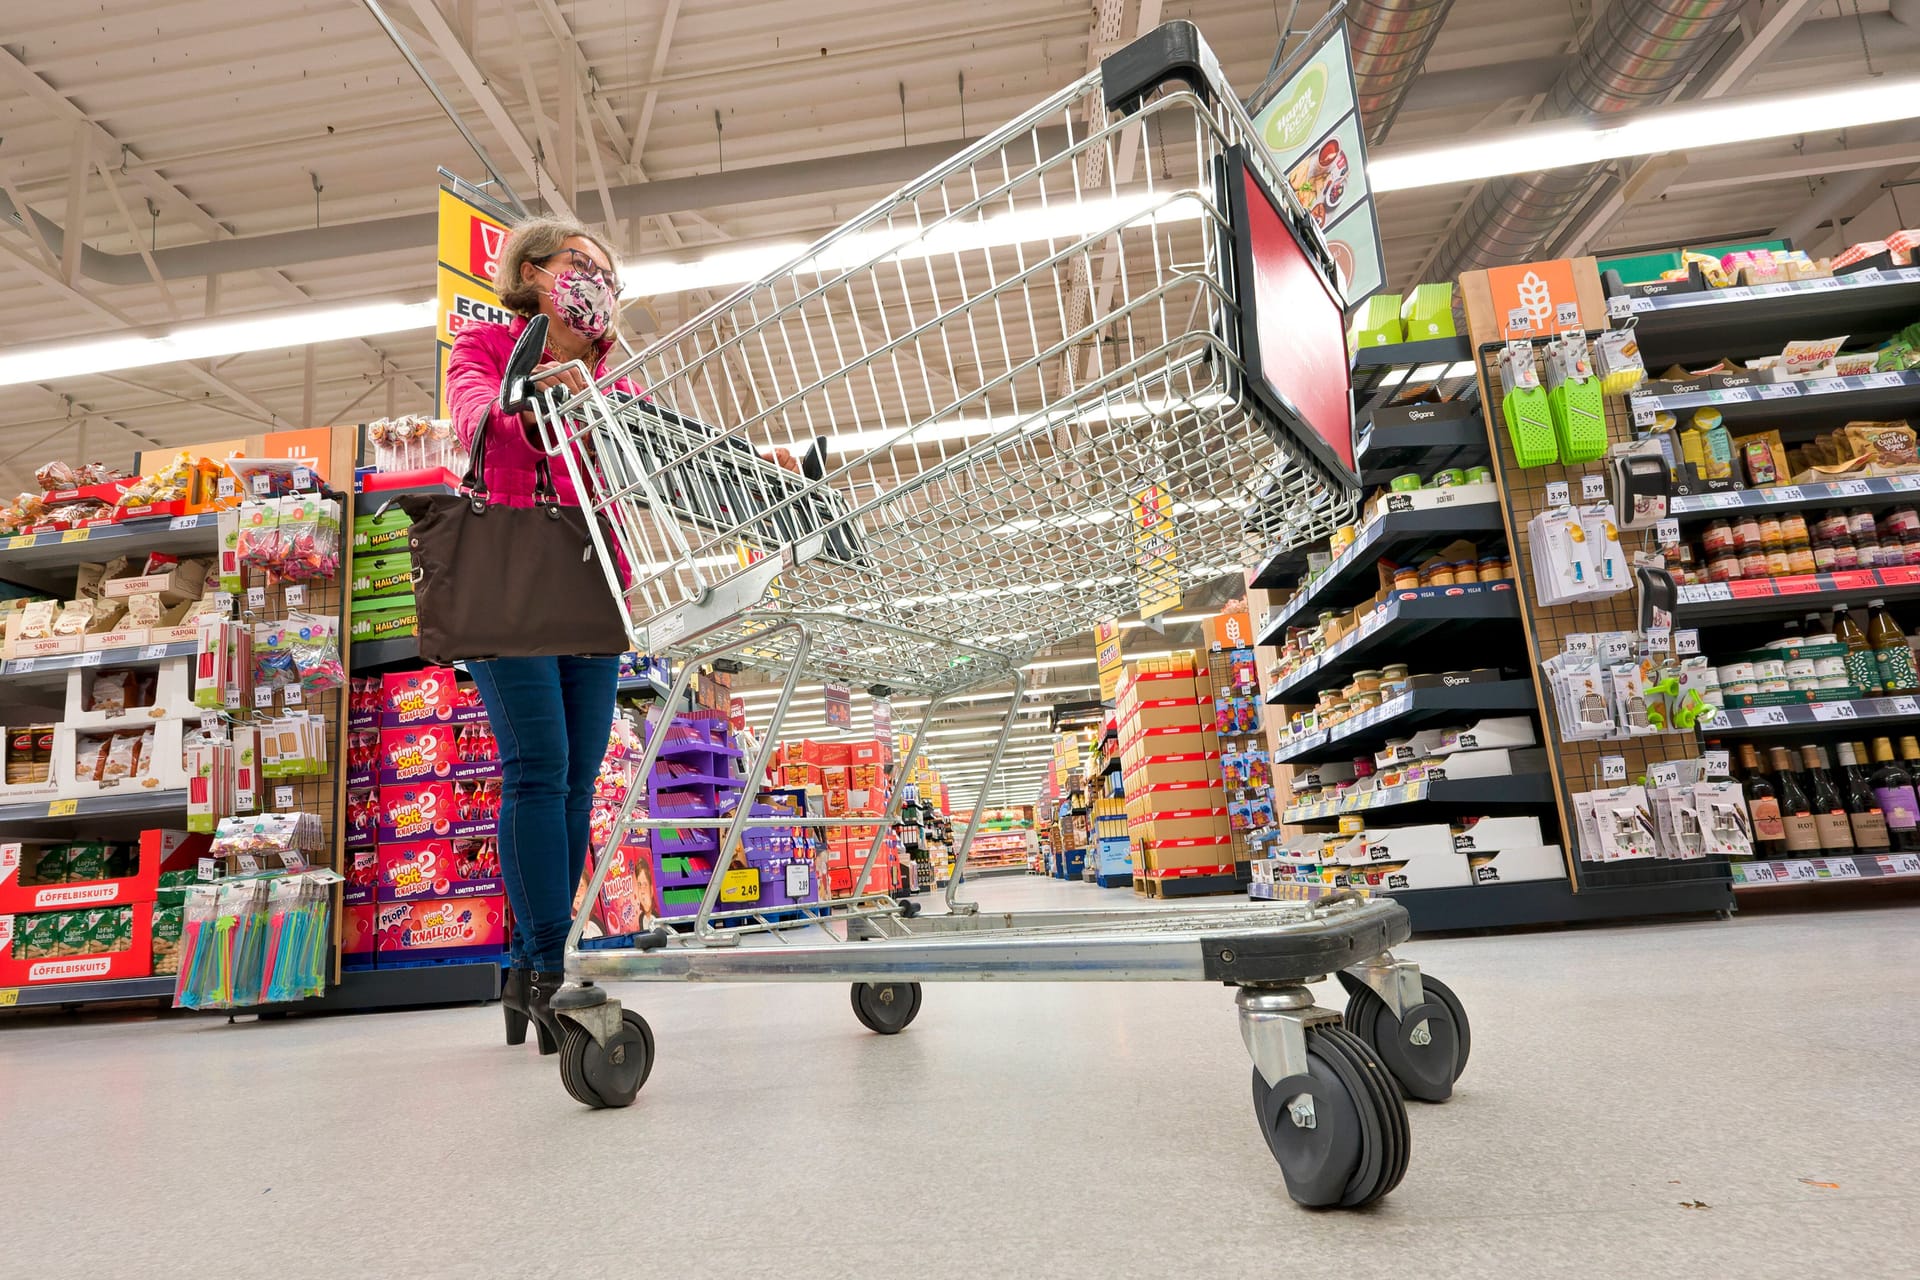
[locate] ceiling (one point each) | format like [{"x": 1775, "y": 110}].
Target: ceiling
[{"x": 160, "y": 125}]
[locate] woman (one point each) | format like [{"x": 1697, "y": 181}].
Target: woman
[{"x": 552, "y": 716}]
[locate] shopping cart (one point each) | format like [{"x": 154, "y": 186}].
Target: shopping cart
[{"x": 1024, "y": 394}]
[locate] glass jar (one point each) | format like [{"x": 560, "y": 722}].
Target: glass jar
[
  {"x": 1904, "y": 521},
  {"x": 1406, "y": 579},
  {"x": 1465, "y": 571},
  {"x": 1717, "y": 538},
  {"x": 1800, "y": 559},
  {"x": 1490, "y": 569},
  {"x": 1440, "y": 576},
  {"x": 1393, "y": 679},
  {"x": 1793, "y": 526},
  {"x": 1772, "y": 535},
  {"x": 1723, "y": 568},
  {"x": 1363, "y": 702},
  {"x": 1861, "y": 524},
  {"x": 1746, "y": 533},
  {"x": 1753, "y": 564},
  {"x": 1365, "y": 681},
  {"x": 1832, "y": 527}
]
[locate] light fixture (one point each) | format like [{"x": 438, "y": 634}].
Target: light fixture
[
  {"x": 206, "y": 339},
  {"x": 1689, "y": 127}
]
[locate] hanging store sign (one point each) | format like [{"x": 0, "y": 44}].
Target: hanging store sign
[
  {"x": 471, "y": 242},
  {"x": 883, "y": 727},
  {"x": 1313, "y": 130},
  {"x": 839, "y": 706},
  {"x": 1156, "y": 552},
  {"x": 1107, "y": 654},
  {"x": 1535, "y": 299}
]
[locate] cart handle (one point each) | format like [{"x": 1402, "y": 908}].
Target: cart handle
[
  {"x": 521, "y": 364},
  {"x": 1171, "y": 51}
]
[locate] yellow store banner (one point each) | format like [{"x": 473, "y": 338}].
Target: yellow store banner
[
  {"x": 1107, "y": 654},
  {"x": 471, "y": 242},
  {"x": 1156, "y": 554}
]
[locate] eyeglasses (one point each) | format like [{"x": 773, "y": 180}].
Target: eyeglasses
[{"x": 587, "y": 266}]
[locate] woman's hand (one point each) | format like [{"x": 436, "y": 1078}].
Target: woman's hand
[
  {"x": 567, "y": 380},
  {"x": 781, "y": 458}
]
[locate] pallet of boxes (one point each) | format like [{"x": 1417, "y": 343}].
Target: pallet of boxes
[{"x": 1170, "y": 762}]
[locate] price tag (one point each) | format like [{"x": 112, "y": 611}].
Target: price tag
[
  {"x": 1579, "y": 645},
  {"x": 1715, "y": 762},
  {"x": 1736, "y": 293},
  {"x": 263, "y": 696},
  {"x": 1616, "y": 646},
  {"x": 20, "y": 541},
  {"x": 76, "y": 535},
  {"x": 62, "y": 808},
  {"x": 1643, "y": 411},
  {"x": 248, "y": 863},
  {"x": 1667, "y": 533},
  {"x": 1827, "y": 712},
  {"x": 1802, "y": 871},
  {"x": 223, "y": 601},
  {"x": 291, "y": 695},
  {"x": 1906, "y": 707},
  {"x": 1518, "y": 321},
  {"x": 1664, "y": 774},
  {"x": 1888, "y": 379},
  {"x": 1777, "y": 390},
  {"x": 225, "y": 487},
  {"x": 208, "y": 869},
  {"x": 1557, "y": 495},
  {"x": 256, "y": 598},
  {"x": 1826, "y": 282},
  {"x": 1639, "y": 305},
  {"x": 1866, "y": 275},
  {"x": 296, "y": 595},
  {"x": 283, "y": 798},
  {"x": 1722, "y": 500},
  {"x": 1613, "y": 768},
  {"x": 302, "y": 479},
  {"x": 184, "y": 522},
  {"x": 1692, "y": 593},
  {"x": 1906, "y": 864},
  {"x": 1761, "y": 717},
  {"x": 209, "y": 722},
  {"x": 20, "y": 666},
  {"x": 1852, "y": 488},
  {"x": 1760, "y": 873},
  {"x": 1843, "y": 868},
  {"x": 1659, "y": 639},
  {"x": 154, "y": 651},
  {"x": 1903, "y": 484},
  {"x": 261, "y": 484},
  {"x": 1686, "y": 642},
  {"x": 1593, "y": 487},
  {"x": 293, "y": 861},
  {"x": 90, "y": 659},
  {"x": 1785, "y": 493},
  {"x": 1718, "y": 591},
  {"x": 1619, "y": 308}
]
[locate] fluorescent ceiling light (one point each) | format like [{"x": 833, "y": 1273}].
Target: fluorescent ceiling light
[
  {"x": 1690, "y": 127},
  {"x": 206, "y": 339}
]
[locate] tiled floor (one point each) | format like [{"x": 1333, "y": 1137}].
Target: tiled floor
[{"x": 1711, "y": 1099}]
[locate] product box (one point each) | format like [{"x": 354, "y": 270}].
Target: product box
[
  {"x": 1494, "y": 732},
  {"x": 1150, "y": 798},
  {"x": 362, "y": 816},
  {"x": 135, "y": 960},
  {"x": 1506, "y": 866},
  {"x": 25, "y": 874},
  {"x": 1162, "y": 713},
  {"x": 1190, "y": 766},
  {"x": 1485, "y": 835},
  {"x": 1179, "y": 824},
  {"x": 185, "y": 581},
  {"x": 1397, "y": 844},
  {"x": 1495, "y": 763},
  {"x": 440, "y": 928},
  {"x": 382, "y": 575},
  {"x": 463, "y": 868},
  {"x": 426, "y": 752},
  {"x": 396, "y": 617},
  {"x": 431, "y": 811},
  {"x": 1434, "y": 871},
  {"x": 1196, "y": 855},
  {"x": 864, "y": 753},
  {"x": 382, "y": 533},
  {"x": 363, "y": 876},
  {"x": 357, "y": 934},
  {"x": 430, "y": 695}
]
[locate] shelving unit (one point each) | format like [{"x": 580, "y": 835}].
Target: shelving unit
[
  {"x": 1396, "y": 534},
  {"x": 1867, "y": 491},
  {"x": 1411, "y": 801},
  {"x": 1410, "y": 711},
  {"x": 1434, "y": 620},
  {"x": 1692, "y": 324}
]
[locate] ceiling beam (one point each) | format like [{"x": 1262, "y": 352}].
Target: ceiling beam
[
  {"x": 652, "y": 95},
  {"x": 1697, "y": 177}
]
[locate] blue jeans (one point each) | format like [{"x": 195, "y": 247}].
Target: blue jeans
[{"x": 553, "y": 717}]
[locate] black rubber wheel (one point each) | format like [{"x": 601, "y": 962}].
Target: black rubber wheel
[
  {"x": 1357, "y": 1148},
  {"x": 886, "y": 1008},
  {"x": 608, "y": 1075},
  {"x": 1425, "y": 1071}
]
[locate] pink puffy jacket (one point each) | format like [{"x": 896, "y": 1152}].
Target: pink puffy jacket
[{"x": 474, "y": 368}]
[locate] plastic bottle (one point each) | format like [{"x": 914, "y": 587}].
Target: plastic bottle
[
  {"x": 1891, "y": 653},
  {"x": 1893, "y": 788},
  {"x": 1864, "y": 815},
  {"x": 1863, "y": 668}
]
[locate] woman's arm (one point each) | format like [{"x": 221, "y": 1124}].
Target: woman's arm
[{"x": 474, "y": 369}]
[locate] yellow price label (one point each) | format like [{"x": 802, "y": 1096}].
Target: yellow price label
[
  {"x": 741, "y": 885},
  {"x": 10, "y": 996},
  {"x": 76, "y": 535},
  {"x": 62, "y": 808},
  {"x": 20, "y": 540}
]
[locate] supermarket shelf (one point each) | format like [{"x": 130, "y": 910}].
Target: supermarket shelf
[
  {"x": 436, "y": 984},
  {"x": 1400, "y": 532},
  {"x": 1410, "y": 711},
  {"x": 1399, "y": 623},
  {"x": 1860, "y": 713},
  {"x": 372, "y": 655},
  {"x": 132, "y": 804},
  {"x": 1802, "y": 403},
  {"x": 1696, "y": 328},
  {"x": 1371, "y": 364},
  {"x": 1795, "y": 497},
  {"x": 1714, "y": 602},
  {"x": 1467, "y": 793},
  {"x": 1385, "y": 452},
  {"x": 63, "y": 993},
  {"x": 38, "y": 670},
  {"x": 61, "y": 549},
  {"x": 1788, "y": 872},
  {"x": 1536, "y": 902}
]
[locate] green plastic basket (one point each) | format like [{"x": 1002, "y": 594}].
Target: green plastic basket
[
  {"x": 1530, "y": 425},
  {"x": 1579, "y": 420}
]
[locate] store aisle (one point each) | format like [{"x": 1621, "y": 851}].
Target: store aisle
[{"x": 1708, "y": 1098}]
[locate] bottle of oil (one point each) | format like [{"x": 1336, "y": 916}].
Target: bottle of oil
[
  {"x": 1863, "y": 668},
  {"x": 1891, "y": 653}
]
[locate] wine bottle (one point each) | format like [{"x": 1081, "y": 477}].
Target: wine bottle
[
  {"x": 1893, "y": 788},
  {"x": 1891, "y": 653},
  {"x": 1864, "y": 815},
  {"x": 1863, "y": 669},
  {"x": 1829, "y": 811},
  {"x": 1796, "y": 810},
  {"x": 1763, "y": 805}
]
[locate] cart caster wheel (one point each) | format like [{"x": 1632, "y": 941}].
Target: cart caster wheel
[
  {"x": 608, "y": 1075},
  {"x": 1339, "y": 1132},
  {"x": 886, "y": 1007},
  {"x": 1427, "y": 1050}
]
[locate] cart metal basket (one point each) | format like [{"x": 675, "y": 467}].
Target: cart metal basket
[{"x": 1019, "y": 399}]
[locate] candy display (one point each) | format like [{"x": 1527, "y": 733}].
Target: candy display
[
  {"x": 254, "y": 940},
  {"x": 295, "y": 538},
  {"x": 412, "y": 442}
]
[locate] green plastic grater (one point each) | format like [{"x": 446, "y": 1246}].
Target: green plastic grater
[
  {"x": 1579, "y": 420},
  {"x": 1530, "y": 424}
]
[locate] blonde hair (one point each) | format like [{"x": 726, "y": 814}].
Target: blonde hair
[{"x": 536, "y": 240}]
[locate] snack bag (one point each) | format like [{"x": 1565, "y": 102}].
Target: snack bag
[
  {"x": 53, "y": 864},
  {"x": 86, "y": 862}
]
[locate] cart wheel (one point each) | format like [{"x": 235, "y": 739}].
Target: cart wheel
[
  {"x": 1427, "y": 1050},
  {"x": 886, "y": 1007},
  {"x": 1339, "y": 1132},
  {"x": 607, "y": 1075}
]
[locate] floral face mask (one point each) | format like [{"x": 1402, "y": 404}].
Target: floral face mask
[{"x": 586, "y": 302}]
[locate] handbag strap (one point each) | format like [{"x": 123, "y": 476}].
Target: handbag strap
[{"x": 474, "y": 483}]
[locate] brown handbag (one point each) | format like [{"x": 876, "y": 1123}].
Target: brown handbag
[{"x": 494, "y": 581}]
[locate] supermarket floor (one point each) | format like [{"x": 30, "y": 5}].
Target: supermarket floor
[{"x": 1709, "y": 1099}]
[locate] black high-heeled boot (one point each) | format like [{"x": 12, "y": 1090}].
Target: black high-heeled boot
[
  {"x": 541, "y": 985},
  {"x": 513, "y": 1003}
]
